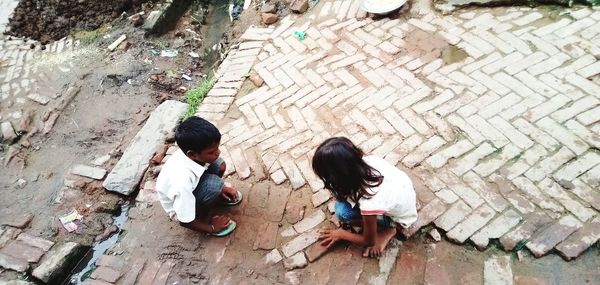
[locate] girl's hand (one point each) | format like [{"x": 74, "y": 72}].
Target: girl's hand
[{"x": 330, "y": 237}]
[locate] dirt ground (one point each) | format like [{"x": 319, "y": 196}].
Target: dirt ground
[{"x": 51, "y": 20}]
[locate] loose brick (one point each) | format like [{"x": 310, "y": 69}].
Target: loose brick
[
  {"x": 496, "y": 228},
  {"x": 456, "y": 213},
  {"x": 581, "y": 240},
  {"x": 300, "y": 243},
  {"x": 544, "y": 241},
  {"x": 107, "y": 274},
  {"x": 12, "y": 263},
  {"x": 267, "y": 236},
  {"x": 471, "y": 224},
  {"x": 35, "y": 241},
  {"x": 22, "y": 251},
  {"x": 310, "y": 221},
  {"x": 426, "y": 215}
]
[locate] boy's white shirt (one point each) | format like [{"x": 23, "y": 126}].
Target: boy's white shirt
[
  {"x": 177, "y": 180},
  {"x": 395, "y": 197}
]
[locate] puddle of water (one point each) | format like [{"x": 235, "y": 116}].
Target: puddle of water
[
  {"x": 88, "y": 263},
  {"x": 452, "y": 54}
]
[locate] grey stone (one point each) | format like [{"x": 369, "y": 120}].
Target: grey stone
[
  {"x": 101, "y": 160},
  {"x": 298, "y": 260},
  {"x": 8, "y": 133},
  {"x": 88, "y": 171},
  {"x": 435, "y": 235},
  {"x": 127, "y": 173},
  {"x": 268, "y": 8},
  {"x": 58, "y": 262},
  {"x": 39, "y": 98}
]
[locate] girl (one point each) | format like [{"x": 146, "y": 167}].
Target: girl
[{"x": 383, "y": 194}]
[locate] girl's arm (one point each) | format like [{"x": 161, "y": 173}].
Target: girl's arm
[{"x": 366, "y": 239}]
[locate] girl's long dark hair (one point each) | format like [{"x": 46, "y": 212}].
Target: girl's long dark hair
[{"x": 339, "y": 163}]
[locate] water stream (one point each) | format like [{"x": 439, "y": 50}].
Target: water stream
[{"x": 88, "y": 263}]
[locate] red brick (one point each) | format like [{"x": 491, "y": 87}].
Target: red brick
[
  {"x": 106, "y": 273},
  {"x": 429, "y": 213},
  {"x": 23, "y": 251},
  {"x": 148, "y": 273},
  {"x": 163, "y": 273},
  {"x": 315, "y": 251},
  {"x": 132, "y": 275},
  {"x": 9, "y": 262},
  {"x": 111, "y": 261},
  {"x": 267, "y": 236},
  {"x": 35, "y": 241}
]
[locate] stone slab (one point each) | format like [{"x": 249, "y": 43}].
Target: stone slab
[
  {"x": 57, "y": 262},
  {"x": 127, "y": 173},
  {"x": 88, "y": 171}
]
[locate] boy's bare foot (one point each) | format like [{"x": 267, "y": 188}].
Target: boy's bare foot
[{"x": 383, "y": 238}]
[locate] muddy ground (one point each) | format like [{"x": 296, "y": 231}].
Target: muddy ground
[{"x": 117, "y": 91}]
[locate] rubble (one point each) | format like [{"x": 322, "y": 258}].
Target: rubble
[
  {"x": 269, "y": 18},
  {"x": 299, "y": 6}
]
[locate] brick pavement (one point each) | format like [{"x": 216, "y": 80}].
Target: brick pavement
[
  {"x": 25, "y": 75},
  {"x": 505, "y": 140}
]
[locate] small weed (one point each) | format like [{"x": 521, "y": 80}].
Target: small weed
[
  {"x": 520, "y": 245},
  {"x": 88, "y": 37},
  {"x": 195, "y": 96}
]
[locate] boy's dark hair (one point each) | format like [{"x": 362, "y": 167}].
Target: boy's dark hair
[
  {"x": 196, "y": 134},
  {"x": 339, "y": 163}
]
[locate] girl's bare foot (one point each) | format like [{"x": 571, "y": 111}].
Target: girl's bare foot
[{"x": 381, "y": 242}]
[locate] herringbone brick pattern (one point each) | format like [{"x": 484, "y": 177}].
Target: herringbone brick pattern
[{"x": 505, "y": 137}]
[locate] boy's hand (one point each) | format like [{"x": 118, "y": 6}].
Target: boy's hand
[
  {"x": 219, "y": 222},
  {"x": 330, "y": 237},
  {"x": 229, "y": 194}
]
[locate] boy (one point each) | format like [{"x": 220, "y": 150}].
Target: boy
[{"x": 190, "y": 183}]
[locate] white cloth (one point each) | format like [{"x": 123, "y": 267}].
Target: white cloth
[
  {"x": 175, "y": 185},
  {"x": 395, "y": 197}
]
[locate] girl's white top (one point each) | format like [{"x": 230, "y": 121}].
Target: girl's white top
[{"x": 395, "y": 197}]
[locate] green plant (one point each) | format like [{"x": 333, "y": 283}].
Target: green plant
[
  {"x": 87, "y": 37},
  {"x": 195, "y": 96}
]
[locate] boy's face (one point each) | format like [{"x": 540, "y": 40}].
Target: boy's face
[{"x": 207, "y": 155}]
